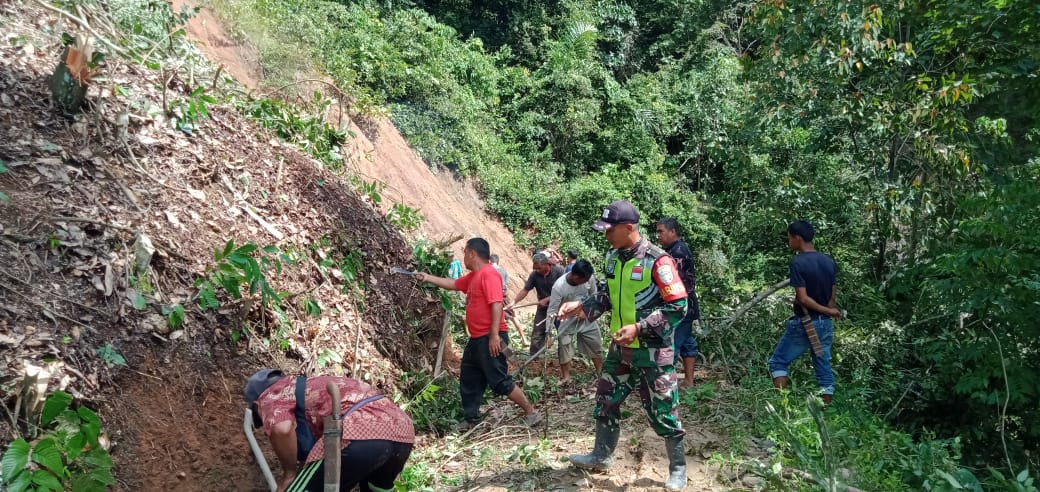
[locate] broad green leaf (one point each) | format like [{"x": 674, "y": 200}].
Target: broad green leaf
[
  {"x": 20, "y": 483},
  {"x": 47, "y": 454},
  {"x": 103, "y": 476},
  {"x": 15, "y": 458},
  {"x": 98, "y": 457},
  {"x": 246, "y": 249},
  {"x": 54, "y": 406},
  {"x": 75, "y": 445},
  {"x": 272, "y": 250},
  {"x": 176, "y": 316},
  {"x": 91, "y": 424},
  {"x": 4, "y": 198},
  {"x": 140, "y": 302},
  {"x": 219, "y": 255},
  {"x": 46, "y": 480}
]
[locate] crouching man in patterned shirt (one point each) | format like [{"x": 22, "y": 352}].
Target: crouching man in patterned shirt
[
  {"x": 376, "y": 440},
  {"x": 647, "y": 300}
]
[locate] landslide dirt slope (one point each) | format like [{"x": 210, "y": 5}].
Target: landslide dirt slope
[
  {"x": 451, "y": 205},
  {"x": 82, "y": 189}
]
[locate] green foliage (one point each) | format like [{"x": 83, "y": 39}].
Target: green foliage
[
  {"x": 67, "y": 456},
  {"x": 174, "y": 315},
  {"x": 310, "y": 133},
  {"x": 110, "y": 355},
  {"x": 533, "y": 455},
  {"x": 979, "y": 293},
  {"x": 434, "y": 407},
  {"x": 188, "y": 112},
  {"x": 245, "y": 270},
  {"x": 416, "y": 476},
  {"x": 404, "y": 217},
  {"x": 836, "y": 449},
  {"x": 903, "y": 131}
]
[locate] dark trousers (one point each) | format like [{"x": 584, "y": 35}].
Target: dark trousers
[
  {"x": 366, "y": 464},
  {"x": 479, "y": 371},
  {"x": 538, "y": 335}
]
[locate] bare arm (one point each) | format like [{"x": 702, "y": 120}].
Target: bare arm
[
  {"x": 442, "y": 282},
  {"x": 283, "y": 442},
  {"x": 521, "y": 295},
  {"x": 809, "y": 303}
]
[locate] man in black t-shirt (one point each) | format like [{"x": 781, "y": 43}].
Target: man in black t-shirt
[
  {"x": 544, "y": 274},
  {"x": 814, "y": 278},
  {"x": 685, "y": 343}
]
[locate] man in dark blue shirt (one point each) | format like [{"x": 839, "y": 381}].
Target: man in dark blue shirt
[
  {"x": 814, "y": 278},
  {"x": 685, "y": 343}
]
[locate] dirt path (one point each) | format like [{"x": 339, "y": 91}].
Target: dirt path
[{"x": 502, "y": 455}]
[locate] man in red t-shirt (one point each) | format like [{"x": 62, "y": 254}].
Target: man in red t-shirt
[{"x": 483, "y": 361}]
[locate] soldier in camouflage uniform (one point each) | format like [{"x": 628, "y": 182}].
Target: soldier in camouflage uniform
[{"x": 647, "y": 300}]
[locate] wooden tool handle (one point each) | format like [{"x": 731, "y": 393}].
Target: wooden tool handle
[{"x": 332, "y": 436}]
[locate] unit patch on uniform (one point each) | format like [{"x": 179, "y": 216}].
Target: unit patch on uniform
[
  {"x": 637, "y": 273},
  {"x": 666, "y": 274}
]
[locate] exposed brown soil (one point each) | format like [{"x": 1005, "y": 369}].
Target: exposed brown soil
[
  {"x": 451, "y": 205},
  {"x": 82, "y": 188}
]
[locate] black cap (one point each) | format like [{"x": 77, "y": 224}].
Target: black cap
[
  {"x": 259, "y": 382},
  {"x": 619, "y": 212}
]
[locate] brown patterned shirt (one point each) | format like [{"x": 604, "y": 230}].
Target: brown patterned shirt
[{"x": 380, "y": 419}]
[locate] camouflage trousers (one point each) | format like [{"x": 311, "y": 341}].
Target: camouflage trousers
[{"x": 651, "y": 371}]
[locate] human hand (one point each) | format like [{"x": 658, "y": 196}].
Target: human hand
[
  {"x": 626, "y": 335},
  {"x": 570, "y": 309},
  {"x": 837, "y": 313},
  {"x": 494, "y": 344},
  {"x": 421, "y": 277},
  {"x": 544, "y": 302}
]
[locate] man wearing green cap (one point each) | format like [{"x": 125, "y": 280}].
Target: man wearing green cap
[{"x": 646, "y": 300}]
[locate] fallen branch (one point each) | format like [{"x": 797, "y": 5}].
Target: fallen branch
[
  {"x": 82, "y": 23},
  {"x": 445, "y": 328},
  {"x": 754, "y": 300},
  {"x": 260, "y": 220}
]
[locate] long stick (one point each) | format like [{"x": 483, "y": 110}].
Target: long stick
[
  {"x": 82, "y": 23},
  {"x": 247, "y": 426},
  {"x": 754, "y": 300},
  {"x": 440, "y": 346}
]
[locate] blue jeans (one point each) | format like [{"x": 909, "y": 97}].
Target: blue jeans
[
  {"x": 795, "y": 342},
  {"x": 685, "y": 343}
]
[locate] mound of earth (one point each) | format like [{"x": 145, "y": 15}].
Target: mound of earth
[{"x": 86, "y": 191}]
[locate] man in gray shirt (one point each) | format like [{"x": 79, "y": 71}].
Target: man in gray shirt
[
  {"x": 502, "y": 272},
  {"x": 543, "y": 275},
  {"x": 575, "y": 286}
]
